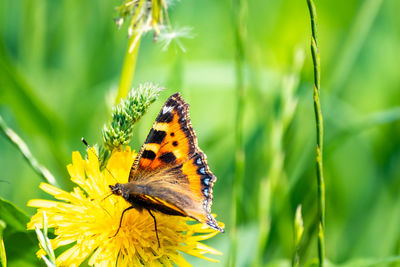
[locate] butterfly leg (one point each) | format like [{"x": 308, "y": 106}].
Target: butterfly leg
[
  {"x": 122, "y": 216},
  {"x": 155, "y": 226}
]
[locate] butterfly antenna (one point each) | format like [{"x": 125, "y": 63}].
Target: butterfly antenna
[
  {"x": 106, "y": 196},
  {"x": 92, "y": 199},
  {"x": 94, "y": 152}
]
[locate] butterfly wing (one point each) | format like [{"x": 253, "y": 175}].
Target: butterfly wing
[
  {"x": 170, "y": 141},
  {"x": 171, "y": 166}
]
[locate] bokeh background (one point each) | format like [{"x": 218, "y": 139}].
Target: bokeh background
[{"x": 61, "y": 60}]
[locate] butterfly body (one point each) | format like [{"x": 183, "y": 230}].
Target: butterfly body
[
  {"x": 170, "y": 174},
  {"x": 136, "y": 196}
]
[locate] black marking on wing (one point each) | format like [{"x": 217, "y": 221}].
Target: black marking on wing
[
  {"x": 155, "y": 136},
  {"x": 148, "y": 154},
  {"x": 167, "y": 157},
  {"x": 165, "y": 117},
  {"x": 181, "y": 108},
  {"x": 207, "y": 179},
  {"x": 142, "y": 202}
]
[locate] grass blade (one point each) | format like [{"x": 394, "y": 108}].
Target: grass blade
[
  {"x": 44, "y": 173},
  {"x": 352, "y": 46},
  {"x": 239, "y": 18},
  {"x": 320, "y": 132}
]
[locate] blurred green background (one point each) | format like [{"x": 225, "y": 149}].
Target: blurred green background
[{"x": 61, "y": 60}]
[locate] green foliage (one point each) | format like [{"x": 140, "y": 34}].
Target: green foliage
[
  {"x": 3, "y": 256},
  {"x": 20, "y": 246},
  {"x": 14, "y": 219}
]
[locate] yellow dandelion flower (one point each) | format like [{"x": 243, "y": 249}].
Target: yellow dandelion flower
[{"x": 87, "y": 221}]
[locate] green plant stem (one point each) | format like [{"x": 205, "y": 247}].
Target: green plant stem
[
  {"x": 23, "y": 148},
  {"x": 320, "y": 133},
  {"x": 3, "y": 257},
  {"x": 128, "y": 69},
  {"x": 45, "y": 243},
  {"x": 239, "y": 18}
]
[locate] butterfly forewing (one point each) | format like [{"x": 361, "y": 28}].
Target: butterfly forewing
[{"x": 170, "y": 141}]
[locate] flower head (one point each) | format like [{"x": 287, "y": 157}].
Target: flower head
[
  {"x": 150, "y": 15},
  {"x": 144, "y": 15},
  {"x": 87, "y": 220}
]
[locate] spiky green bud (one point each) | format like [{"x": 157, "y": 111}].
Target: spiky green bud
[{"x": 119, "y": 132}]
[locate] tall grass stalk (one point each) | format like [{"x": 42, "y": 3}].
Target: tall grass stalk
[
  {"x": 274, "y": 151},
  {"x": 320, "y": 133},
  {"x": 239, "y": 11},
  {"x": 44, "y": 173}
]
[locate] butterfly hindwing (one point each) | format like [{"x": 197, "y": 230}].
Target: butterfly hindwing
[
  {"x": 201, "y": 183},
  {"x": 185, "y": 189},
  {"x": 172, "y": 168}
]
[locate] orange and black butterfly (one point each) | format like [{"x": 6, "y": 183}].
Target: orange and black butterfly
[{"x": 170, "y": 174}]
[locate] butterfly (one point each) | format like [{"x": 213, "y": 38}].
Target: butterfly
[{"x": 170, "y": 173}]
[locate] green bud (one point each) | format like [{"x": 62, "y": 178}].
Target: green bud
[
  {"x": 298, "y": 226},
  {"x": 119, "y": 132}
]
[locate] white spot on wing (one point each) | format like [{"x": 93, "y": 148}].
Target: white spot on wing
[
  {"x": 206, "y": 181},
  {"x": 167, "y": 109},
  {"x": 199, "y": 162},
  {"x": 161, "y": 126},
  {"x": 205, "y": 192},
  {"x": 205, "y": 204}
]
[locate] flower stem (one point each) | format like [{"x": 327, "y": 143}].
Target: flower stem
[
  {"x": 23, "y": 148},
  {"x": 128, "y": 69},
  {"x": 239, "y": 14},
  {"x": 320, "y": 132}
]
